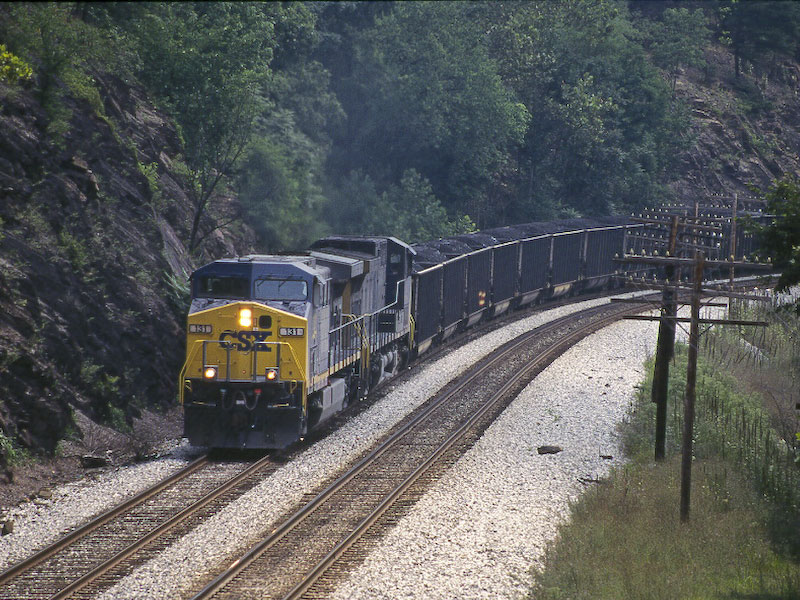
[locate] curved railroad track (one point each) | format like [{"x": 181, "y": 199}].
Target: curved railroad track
[
  {"x": 306, "y": 554},
  {"x": 311, "y": 548},
  {"x": 94, "y": 556}
]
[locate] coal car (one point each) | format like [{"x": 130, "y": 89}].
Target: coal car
[{"x": 276, "y": 345}]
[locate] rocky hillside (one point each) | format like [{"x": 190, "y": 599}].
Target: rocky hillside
[
  {"x": 94, "y": 212},
  {"x": 745, "y": 131}
]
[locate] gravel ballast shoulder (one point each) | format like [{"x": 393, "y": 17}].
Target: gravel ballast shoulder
[
  {"x": 176, "y": 570},
  {"x": 476, "y": 533},
  {"x": 200, "y": 553},
  {"x": 41, "y": 522}
]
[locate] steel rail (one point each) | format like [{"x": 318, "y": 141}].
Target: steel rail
[
  {"x": 544, "y": 358},
  {"x": 81, "y": 532},
  {"x": 175, "y": 520},
  {"x": 499, "y": 354}
]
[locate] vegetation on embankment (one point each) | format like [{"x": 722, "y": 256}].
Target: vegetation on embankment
[{"x": 625, "y": 538}]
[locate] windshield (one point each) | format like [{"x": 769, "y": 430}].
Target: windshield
[
  {"x": 281, "y": 289},
  {"x": 223, "y": 287}
]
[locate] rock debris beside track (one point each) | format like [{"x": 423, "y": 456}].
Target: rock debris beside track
[{"x": 175, "y": 571}]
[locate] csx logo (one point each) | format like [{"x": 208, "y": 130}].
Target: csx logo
[{"x": 246, "y": 340}]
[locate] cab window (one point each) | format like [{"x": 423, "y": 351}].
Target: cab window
[
  {"x": 212, "y": 286},
  {"x": 281, "y": 289}
]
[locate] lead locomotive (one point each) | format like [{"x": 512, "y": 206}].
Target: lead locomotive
[{"x": 278, "y": 344}]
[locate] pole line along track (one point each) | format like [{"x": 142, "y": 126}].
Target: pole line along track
[{"x": 258, "y": 565}]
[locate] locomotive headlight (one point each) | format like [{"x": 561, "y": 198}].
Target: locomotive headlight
[
  {"x": 210, "y": 372},
  {"x": 271, "y": 374},
  {"x": 245, "y": 317}
]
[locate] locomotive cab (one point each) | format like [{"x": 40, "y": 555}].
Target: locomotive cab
[{"x": 253, "y": 338}]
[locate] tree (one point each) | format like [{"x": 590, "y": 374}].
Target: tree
[
  {"x": 206, "y": 61},
  {"x": 63, "y": 51},
  {"x": 409, "y": 210},
  {"x": 423, "y": 94},
  {"x": 780, "y": 239},
  {"x": 756, "y": 28},
  {"x": 277, "y": 187},
  {"x": 603, "y": 130},
  {"x": 678, "y": 40}
]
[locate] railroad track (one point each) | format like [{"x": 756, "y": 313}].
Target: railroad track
[
  {"x": 96, "y": 555},
  {"x": 311, "y": 548},
  {"x": 335, "y": 528}
]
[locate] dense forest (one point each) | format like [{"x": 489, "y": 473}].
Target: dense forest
[{"x": 417, "y": 119}]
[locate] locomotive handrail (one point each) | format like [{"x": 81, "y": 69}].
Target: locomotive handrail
[
  {"x": 181, "y": 377},
  {"x": 358, "y": 325},
  {"x": 278, "y": 358}
]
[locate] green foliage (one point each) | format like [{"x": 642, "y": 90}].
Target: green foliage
[
  {"x": 276, "y": 187},
  {"x": 409, "y": 211},
  {"x": 780, "y": 240},
  {"x": 206, "y": 62},
  {"x": 8, "y": 449},
  {"x": 116, "y": 418},
  {"x": 425, "y": 95},
  {"x": 604, "y": 131},
  {"x": 150, "y": 172},
  {"x": 678, "y": 40},
  {"x": 178, "y": 291},
  {"x": 13, "y": 455},
  {"x": 757, "y": 30},
  {"x": 99, "y": 384},
  {"x": 624, "y": 539},
  {"x": 63, "y": 46},
  {"x": 12, "y": 68},
  {"x": 77, "y": 252}
]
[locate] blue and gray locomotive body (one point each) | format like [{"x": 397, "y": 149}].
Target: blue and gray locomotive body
[{"x": 276, "y": 345}]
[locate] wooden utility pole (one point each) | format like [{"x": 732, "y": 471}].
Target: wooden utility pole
[
  {"x": 665, "y": 347},
  {"x": 699, "y": 263},
  {"x": 733, "y": 235},
  {"x": 689, "y": 395}
]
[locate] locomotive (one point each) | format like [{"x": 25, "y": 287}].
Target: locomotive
[{"x": 276, "y": 345}]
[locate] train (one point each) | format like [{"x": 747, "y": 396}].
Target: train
[{"x": 278, "y": 344}]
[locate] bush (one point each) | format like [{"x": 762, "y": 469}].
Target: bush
[{"x": 12, "y": 68}]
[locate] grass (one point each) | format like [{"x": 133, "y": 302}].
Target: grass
[{"x": 625, "y": 538}]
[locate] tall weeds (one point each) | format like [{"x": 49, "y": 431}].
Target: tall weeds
[{"x": 743, "y": 539}]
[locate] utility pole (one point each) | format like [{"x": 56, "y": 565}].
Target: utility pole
[
  {"x": 733, "y": 235},
  {"x": 689, "y": 395},
  {"x": 699, "y": 263},
  {"x": 665, "y": 347}
]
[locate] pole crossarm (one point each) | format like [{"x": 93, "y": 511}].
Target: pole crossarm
[
  {"x": 651, "y": 284},
  {"x": 689, "y": 320},
  {"x": 715, "y": 228},
  {"x": 637, "y": 301},
  {"x": 687, "y": 262}
]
